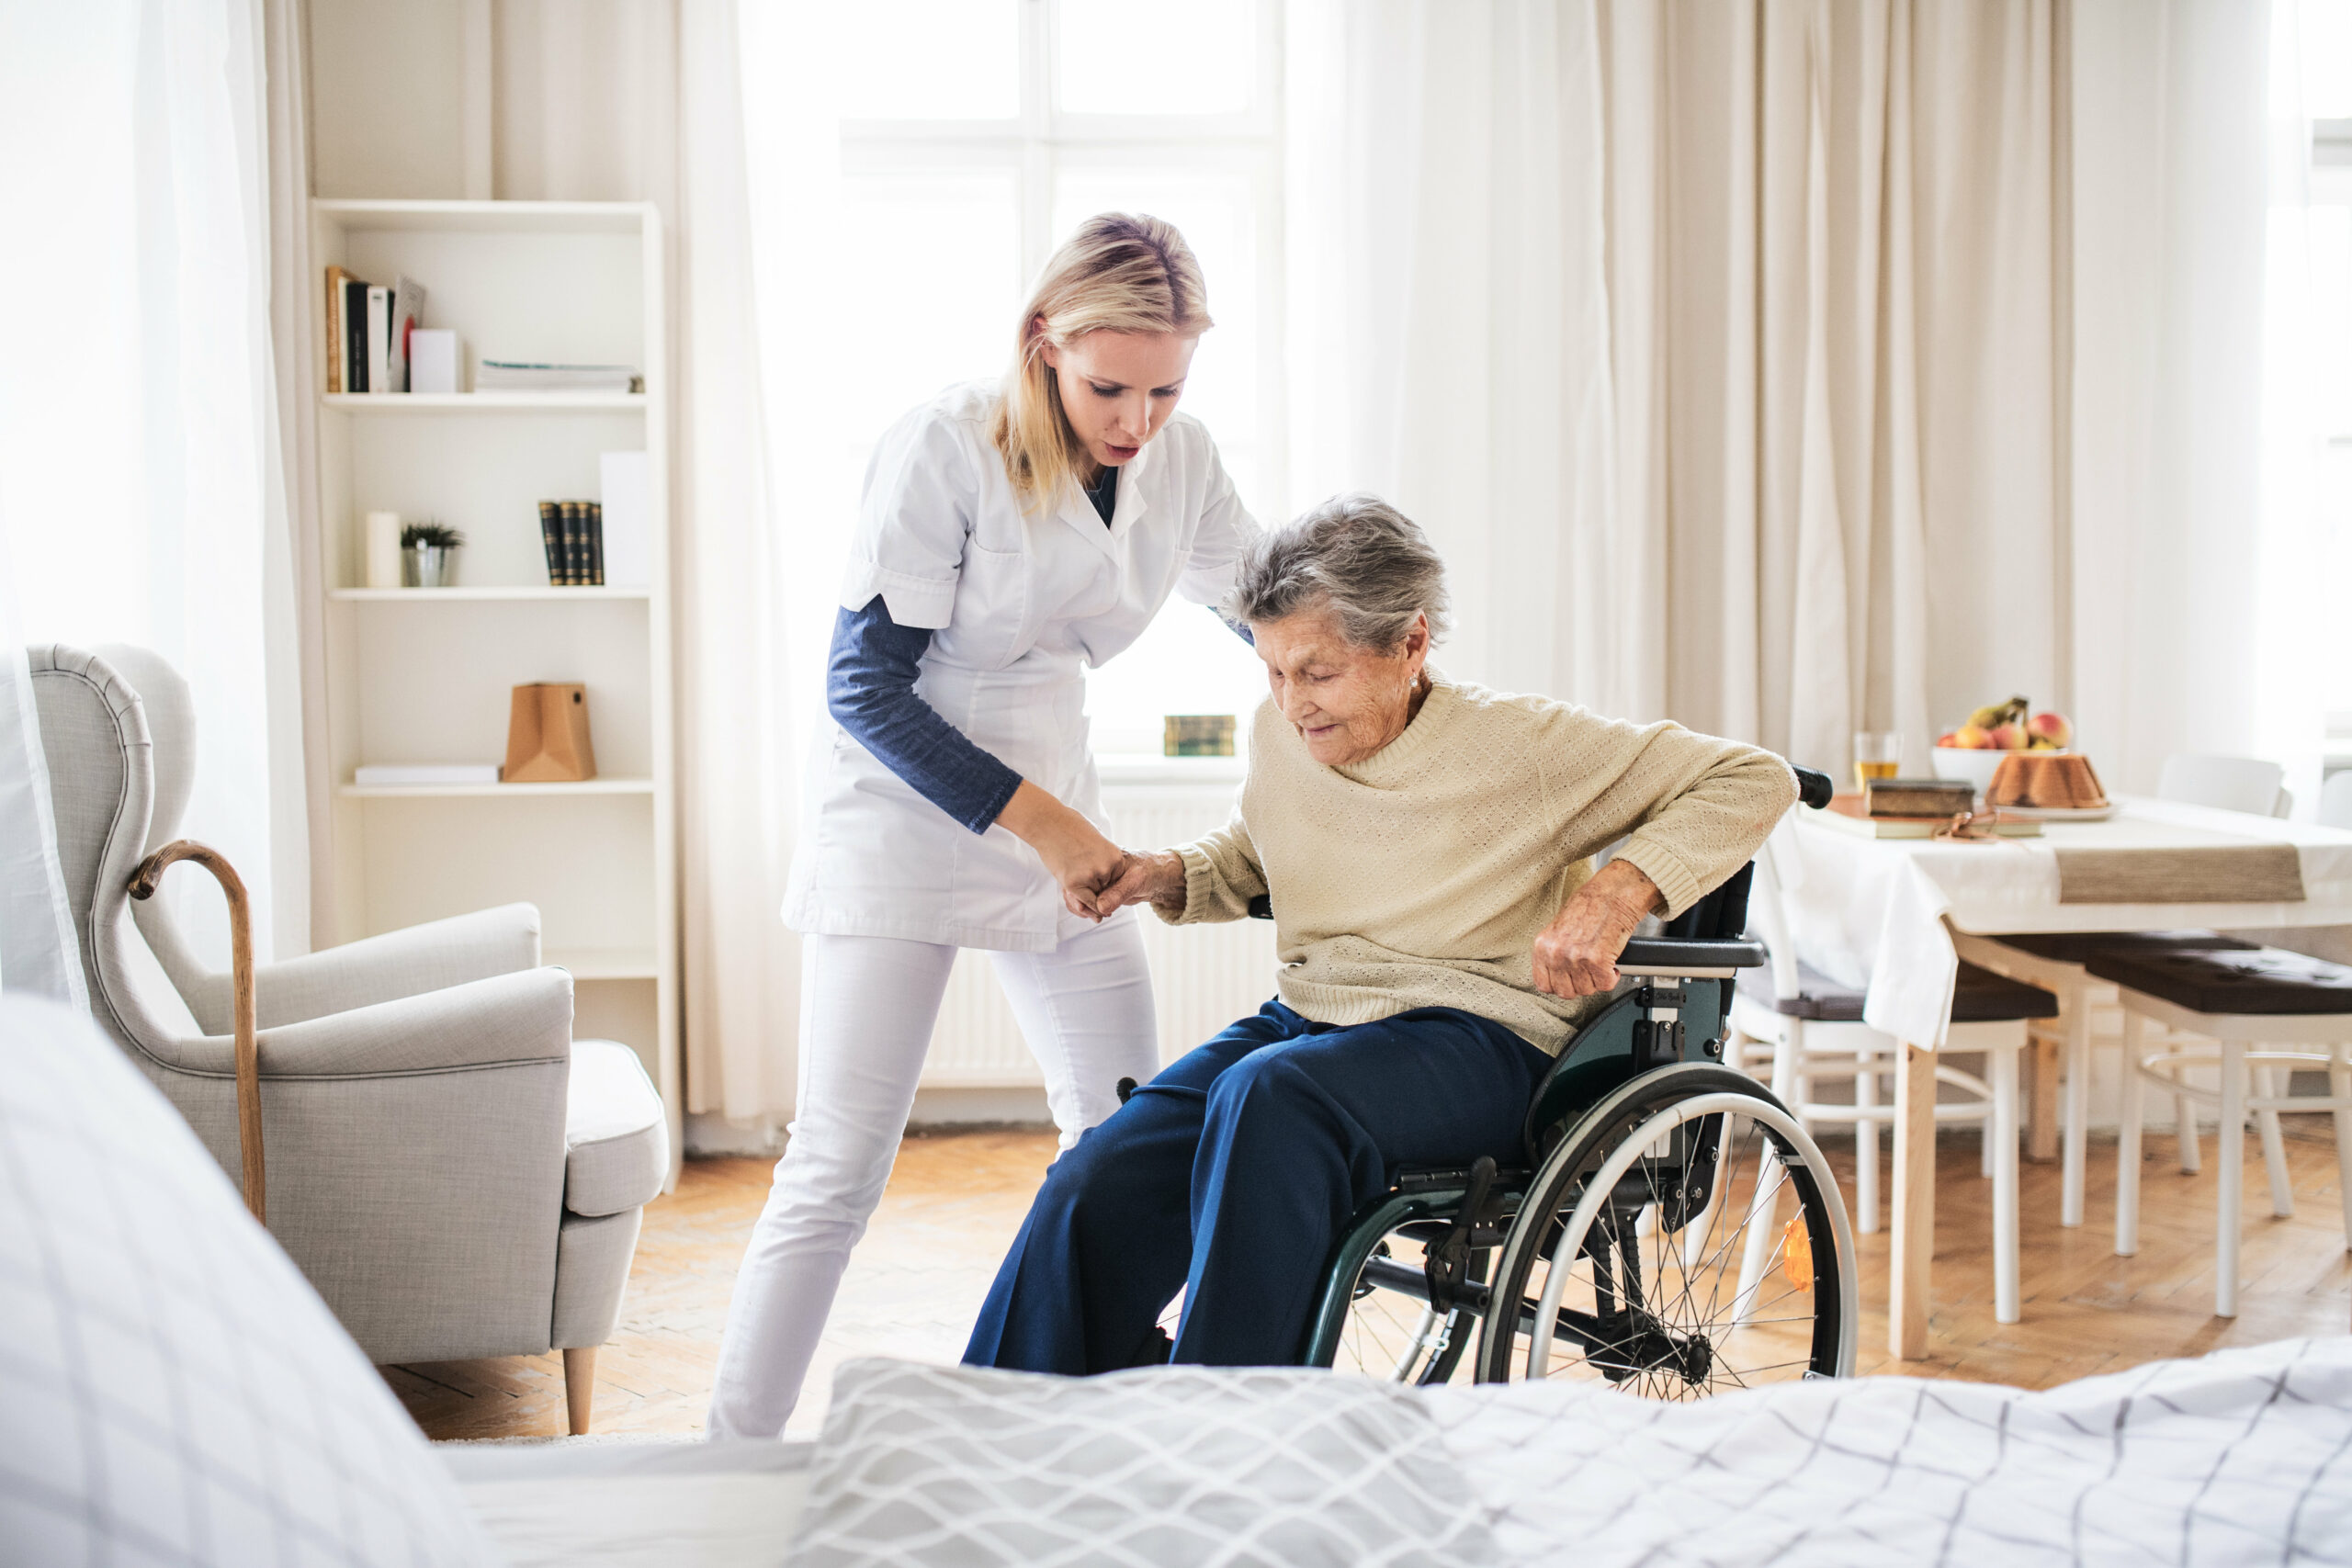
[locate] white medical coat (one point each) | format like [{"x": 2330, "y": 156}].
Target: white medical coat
[{"x": 1019, "y": 606}]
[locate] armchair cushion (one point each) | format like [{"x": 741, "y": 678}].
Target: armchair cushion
[
  {"x": 175, "y": 1392},
  {"x": 616, "y": 1143}
]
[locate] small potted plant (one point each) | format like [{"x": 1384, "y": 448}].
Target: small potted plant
[{"x": 429, "y": 555}]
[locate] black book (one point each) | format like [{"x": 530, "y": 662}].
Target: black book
[
  {"x": 575, "y": 547},
  {"x": 354, "y": 336},
  {"x": 551, "y": 539},
  {"x": 595, "y": 577}
]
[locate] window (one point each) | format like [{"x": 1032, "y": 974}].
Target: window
[{"x": 961, "y": 141}]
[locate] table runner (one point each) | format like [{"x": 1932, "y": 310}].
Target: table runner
[{"x": 2242, "y": 873}]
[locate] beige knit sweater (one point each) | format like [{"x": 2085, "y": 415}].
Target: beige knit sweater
[{"x": 1421, "y": 876}]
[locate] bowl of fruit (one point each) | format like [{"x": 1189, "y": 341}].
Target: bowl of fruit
[{"x": 1975, "y": 750}]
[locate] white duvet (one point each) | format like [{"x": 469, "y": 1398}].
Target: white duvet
[{"x": 2244, "y": 1457}]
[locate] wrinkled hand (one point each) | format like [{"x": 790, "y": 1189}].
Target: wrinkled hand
[
  {"x": 1146, "y": 877},
  {"x": 1577, "y": 953},
  {"x": 1084, "y": 863}
]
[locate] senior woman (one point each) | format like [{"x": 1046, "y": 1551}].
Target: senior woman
[{"x": 1427, "y": 848}]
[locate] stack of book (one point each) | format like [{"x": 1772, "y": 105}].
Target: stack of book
[
  {"x": 530, "y": 375},
  {"x": 573, "y": 533},
  {"x": 367, "y": 328}
]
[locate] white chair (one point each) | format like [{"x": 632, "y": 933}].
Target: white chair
[
  {"x": 2236, "y": 998},
  {"x": 2336, "y": 800},
  {"x": 2227, "y": 783},
  {"x": 1809, "y": 1028}
]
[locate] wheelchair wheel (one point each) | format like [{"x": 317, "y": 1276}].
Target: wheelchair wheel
[
  {"x": 1391, "y": 1332},
  {"x": 1683, "y": 1239}
]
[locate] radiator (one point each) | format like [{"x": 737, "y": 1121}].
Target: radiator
[{"x": 1202, "y": 977}]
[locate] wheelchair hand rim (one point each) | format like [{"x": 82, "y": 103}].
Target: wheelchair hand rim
[{"x": 1597, "y": 1188}]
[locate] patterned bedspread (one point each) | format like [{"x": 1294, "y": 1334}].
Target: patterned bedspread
[{"x": 2243, "y": 1457}]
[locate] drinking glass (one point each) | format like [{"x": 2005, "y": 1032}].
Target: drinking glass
[{"x": 1877, "y": 753}]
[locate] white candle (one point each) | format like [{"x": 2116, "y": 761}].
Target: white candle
[{"x": 383, "y": 550}]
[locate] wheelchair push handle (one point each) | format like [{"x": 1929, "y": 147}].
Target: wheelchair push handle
[{"x": 1814, "y": 787}]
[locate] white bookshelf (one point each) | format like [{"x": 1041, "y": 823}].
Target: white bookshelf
[{"x": 425, "y": 675}]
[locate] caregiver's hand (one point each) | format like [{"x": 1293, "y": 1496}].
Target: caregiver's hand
[
  {"x": 1149, "y": 876},
  {"x": 1577, "y": 953},
  {"x": 1077, "y": 857}
]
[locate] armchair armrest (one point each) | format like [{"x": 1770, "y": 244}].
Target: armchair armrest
[
  {"x": 429, "y": 957},
  {"x": 496, "y": 1021}
]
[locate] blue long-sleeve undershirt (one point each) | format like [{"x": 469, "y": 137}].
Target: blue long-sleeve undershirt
[{"x": 870, "y": 689}]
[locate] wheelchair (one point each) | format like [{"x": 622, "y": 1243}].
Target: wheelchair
[{"x": 1671, "y": 1231}]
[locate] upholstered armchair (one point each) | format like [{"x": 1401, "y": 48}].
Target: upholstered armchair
[{"x": 455, "y": 1174}]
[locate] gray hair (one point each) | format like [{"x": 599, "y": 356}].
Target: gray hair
[{"x": 1367, "y": 562}]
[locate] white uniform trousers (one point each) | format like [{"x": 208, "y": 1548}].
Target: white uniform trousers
[{"x": 868, "y": 1005}]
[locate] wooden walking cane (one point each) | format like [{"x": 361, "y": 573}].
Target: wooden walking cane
[{"x": 143, "y": 884}]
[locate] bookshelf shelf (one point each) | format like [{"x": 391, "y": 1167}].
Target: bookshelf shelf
[
  {"x": 411, "y": 403},
  {"x": 486, "y": 595},
  {"x": 541, "y": 282},
  {"x": 494, "y": 791}
]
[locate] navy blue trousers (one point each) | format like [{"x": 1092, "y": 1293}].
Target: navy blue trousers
[{"x": 1232, "y": 1175}]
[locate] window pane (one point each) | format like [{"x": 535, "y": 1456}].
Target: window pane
[
  {"x": 928, "y": 59},
  {"x": 926, "y": 287},
  {"x": 1122, "y": 58},
  {"x": 1214, "y": 213}
]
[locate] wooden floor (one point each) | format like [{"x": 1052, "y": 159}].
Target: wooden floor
[{"x": 956, "y": 1199}]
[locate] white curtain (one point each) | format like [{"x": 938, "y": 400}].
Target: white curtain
[
  {"x": 1730, "y": 350},
  {"x": 141, "y": 488},
  {"x": 643, "y": 100}
]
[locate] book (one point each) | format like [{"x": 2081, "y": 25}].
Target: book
[
  {"x": 538, "y": 375},
  {"x": 1918, "y": 798},
  {"x": 595, "y": 577},
  {"x": 552, "y": 538},
  {"x": 408, "y": 314},
  {"x": 338, "y": 361},
  {"x": 628, "y": 485},
  {"x": 379, "y": 338},
  {"x": 354, "y": 335},
  {"x": 1848, "y": 812},
  {"x": 380, "y": 775},
  {"x": 575, "y": 548}
]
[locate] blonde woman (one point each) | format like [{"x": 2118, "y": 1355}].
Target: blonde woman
[{"x": 1011, "y": 537}]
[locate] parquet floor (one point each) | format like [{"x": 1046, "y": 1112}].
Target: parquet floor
[{"x": 956, "y": 1199}]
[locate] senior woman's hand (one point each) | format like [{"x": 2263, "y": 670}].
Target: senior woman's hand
[
  {"x": 1577, "y": 953},
  {"x": 1150, "y": 876}
]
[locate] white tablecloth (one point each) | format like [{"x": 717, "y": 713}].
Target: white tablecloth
[{"x": 1872, "y": 911}]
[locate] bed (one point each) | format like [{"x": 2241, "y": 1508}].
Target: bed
[{"x": 2242, "y": 1457}]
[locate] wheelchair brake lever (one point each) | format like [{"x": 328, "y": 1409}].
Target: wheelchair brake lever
[{"x": 1447, "y": 1264}]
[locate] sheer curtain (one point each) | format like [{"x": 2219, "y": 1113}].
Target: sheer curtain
[
  {"x": 642, "y": 100},
  {"x": 140, "y": 491},
  {"x": 1732, "y": 352}
]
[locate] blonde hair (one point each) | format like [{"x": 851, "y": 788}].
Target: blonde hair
[{"x": 1121, "y": 272}]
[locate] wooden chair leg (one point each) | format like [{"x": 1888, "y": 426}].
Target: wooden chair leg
[
  {"x": 2339, "y": 1088},
  {"x": 2041, "y": 1119},
  {"x": 578, "y": 1387}
]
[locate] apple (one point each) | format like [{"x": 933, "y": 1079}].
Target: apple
[
  {"x": 2049, "y": 727},
  {"x": 1970, "y": 738},
  {"x": 1948, "y": 740},
  {"x": 2009, "y": 738}
]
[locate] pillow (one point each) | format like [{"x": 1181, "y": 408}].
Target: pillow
[
  {"x": 1159, "y": 1465},
  {"x": 177, "y": 1392}
]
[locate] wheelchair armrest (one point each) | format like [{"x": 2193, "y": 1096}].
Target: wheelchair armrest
[{"x": 1714, "y": 959}]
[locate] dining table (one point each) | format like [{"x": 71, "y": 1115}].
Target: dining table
[{"x": 1885, "y": 914}]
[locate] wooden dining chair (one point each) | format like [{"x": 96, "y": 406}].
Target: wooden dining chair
[{"x": 2261, "y": 1010}]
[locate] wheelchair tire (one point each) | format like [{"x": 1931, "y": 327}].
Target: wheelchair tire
[{"x": 1680, "y": 1281}]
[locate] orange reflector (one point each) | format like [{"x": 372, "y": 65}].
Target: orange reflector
[{"x": 1796, "y": 1254}]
